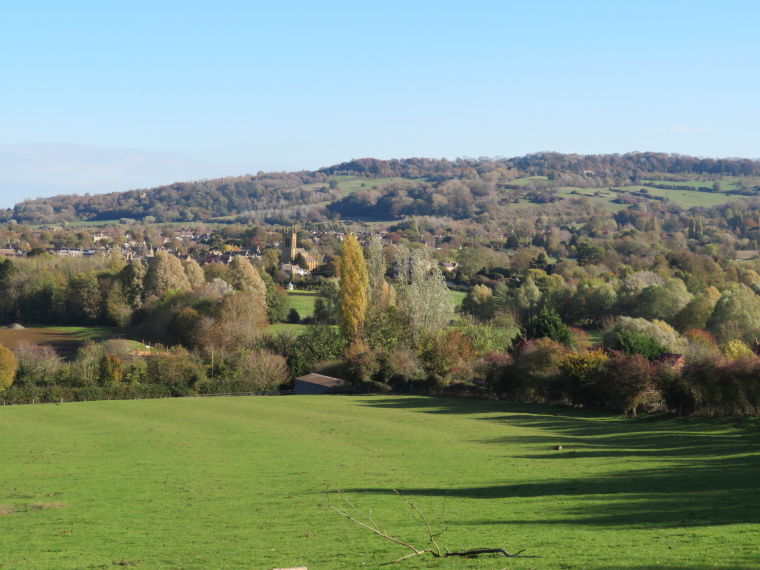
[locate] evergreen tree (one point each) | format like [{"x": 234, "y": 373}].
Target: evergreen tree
[
  {"x": 547, "y": 324},
  {"x": 630, "y": 343}
]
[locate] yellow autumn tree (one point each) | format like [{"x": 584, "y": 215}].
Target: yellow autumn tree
[
  {"x": 7, "y": 367},
  {"x": 352, "y": 305},
  {"x": 582, "y": 371}
]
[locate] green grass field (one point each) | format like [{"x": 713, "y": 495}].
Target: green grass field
[
  {"x": 303, "y": 302},
  {"x": 240, "y": 483},
  {"x": 350, "y": 184},
  {"x": 684, "y": 198},
  {"x": 457, "y": 297},
  {"x": 287, "y": 328},
  {"x": 66, "y": 340}
]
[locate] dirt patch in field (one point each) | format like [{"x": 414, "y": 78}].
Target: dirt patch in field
[
  {"x": 6, "y": 510},
  {"x": 66, "y": 344}
]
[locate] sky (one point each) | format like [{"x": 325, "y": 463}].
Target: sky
[{"x": 111, "y": 96}]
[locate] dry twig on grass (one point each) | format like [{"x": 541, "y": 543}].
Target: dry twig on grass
[{"x": 348, "y": 510}]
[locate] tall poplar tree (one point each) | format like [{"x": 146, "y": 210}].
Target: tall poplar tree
[
  {"x": 353, "y": 288},
  {"x": 376, "y": 273},
  {"x": 421, "y": 293}
]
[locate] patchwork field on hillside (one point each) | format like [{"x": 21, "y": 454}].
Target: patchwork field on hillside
[
  {"x": 242, "y": 482},
  {"x": 65, "y": 340}
]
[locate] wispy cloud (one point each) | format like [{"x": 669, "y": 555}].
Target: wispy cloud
[{"x": 679, "y": 129}]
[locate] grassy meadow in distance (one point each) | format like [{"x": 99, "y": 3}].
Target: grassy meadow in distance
[
  {"x": 682, "y": 198},
  {"x": 240, "y": 482},
  {"x": 303, "y": 302},
  {"x": 66, "y": 340}
]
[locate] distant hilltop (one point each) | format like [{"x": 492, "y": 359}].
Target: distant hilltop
[{"x": 350, "y": 188}]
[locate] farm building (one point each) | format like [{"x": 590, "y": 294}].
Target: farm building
[{"x": 319, "y": 384}]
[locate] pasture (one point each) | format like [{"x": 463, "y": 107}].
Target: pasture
[
  {"x": 65, "y": 340},
  {"x": 683, "y": 198},
  {"x": 303, "y": 302},
  {"x": 241, "y": 482},
  {"x": 457, "y": 297}
]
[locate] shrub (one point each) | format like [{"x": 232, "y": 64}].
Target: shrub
[
  {"x": 582, "y": 373},
  {"x": 663, "y": 333},
  {"x": 547, "y": 324},
  {"x": 37, "y": 365},
  {"x": 264, "y": 370},
  {"x": 110, "y": 370},
  {"x": 630, "y": 342},
  {"x": 677, "y": 391},
  {"x": 626, "y": 380},
  {"x": 361, "y": 363},
  {"x": 442, "y": 351},
  {"x": 702, "y": 377},
  {"x": 7, "y": 367},
  {"x": 399, "y": 367},
  {"x": 736, "y": 349},
  {"x": 535, "y": 372},
  {"x": 175, "y": 369}
]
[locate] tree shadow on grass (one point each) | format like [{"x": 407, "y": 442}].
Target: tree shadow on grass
[{"x": 703, "y": 472}]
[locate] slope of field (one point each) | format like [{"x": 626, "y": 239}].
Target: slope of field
[
  {"x": 240, "y": 483},
  {"x": 684, "y": 198},
  {"x": 65, "y": 340}
]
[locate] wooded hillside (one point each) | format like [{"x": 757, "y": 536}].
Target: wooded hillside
[{"x": 418, "y": 186}]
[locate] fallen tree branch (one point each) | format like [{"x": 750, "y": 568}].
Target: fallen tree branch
[
  {"x": 348, "y": 510},
  {"x": 368, "y": 517}
]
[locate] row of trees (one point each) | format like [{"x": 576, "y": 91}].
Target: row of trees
[{"x": 110, "y": 292}]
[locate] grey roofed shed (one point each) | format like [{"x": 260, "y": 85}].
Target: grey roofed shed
[{"x": 319, "y": 384}]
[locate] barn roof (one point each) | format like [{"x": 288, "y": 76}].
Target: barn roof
[{"x": 321, "y": 380}]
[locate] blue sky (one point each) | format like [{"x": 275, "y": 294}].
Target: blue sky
[{"x": 106, "y": 96}]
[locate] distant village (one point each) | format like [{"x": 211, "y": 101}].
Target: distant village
[{"x": 276, "y": 247}]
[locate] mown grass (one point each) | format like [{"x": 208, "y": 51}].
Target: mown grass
[
  {"x": 240, "y": 482},
  {"x": 287, "y": 328},
  {"x": 87, "y": 333},
  {"x": 303, "y": 302}
]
